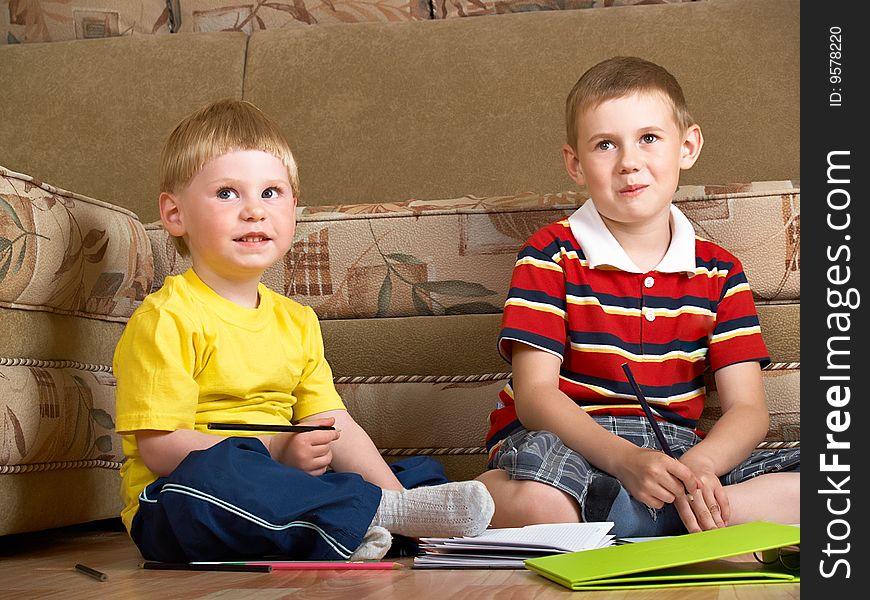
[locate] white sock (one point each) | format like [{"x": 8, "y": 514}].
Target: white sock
[
  {"x": 451, "y": 509},
  {"x": 375, "y": 544}
]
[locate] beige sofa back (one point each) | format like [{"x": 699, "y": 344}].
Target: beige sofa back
[
  {"x": 92, "y": 115},
  {"x": 475, "y": 106},
  {"x": 383, "y": 112}
]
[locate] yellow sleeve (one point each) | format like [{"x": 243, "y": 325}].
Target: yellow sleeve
[
  {"x": 154, "y": 364},
  {"x": 315, "y": 392}
]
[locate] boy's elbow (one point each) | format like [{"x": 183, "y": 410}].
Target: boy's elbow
[
  {"x": 156, "y": 451},
  {"x": 526, "y": 414},
  {"x": 757, "y": 421},
  {"x": 156, "y": 462},
  {"x": 342, "y": 417},
  {"x": 157, "y": 467},
  {"x": 153, "y": 460}
]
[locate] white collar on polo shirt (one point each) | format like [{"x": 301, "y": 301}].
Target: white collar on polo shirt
[{"x": 602, "y": 249}]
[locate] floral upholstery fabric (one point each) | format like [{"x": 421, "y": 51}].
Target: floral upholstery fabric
[
  {"x": 66, "y": 253},
  {"x": 455, "y": 256},
  {"x": 444, "y": 9},
  {"x": 57, "y": 416},
  {"x": 70, "y": 255},
  {"x": 57, "y": 20},
  {"x": 400, "y": 259}
]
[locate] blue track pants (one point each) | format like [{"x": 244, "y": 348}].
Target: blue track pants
[{"x": 234, "y": 501}]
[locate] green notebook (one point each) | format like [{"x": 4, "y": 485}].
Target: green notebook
[{"x": 685, "y": 560}]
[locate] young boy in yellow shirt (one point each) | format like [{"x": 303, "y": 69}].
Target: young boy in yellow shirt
[
  {"x": 214, "y": 345},
  {"x": 625, "y": 280}
]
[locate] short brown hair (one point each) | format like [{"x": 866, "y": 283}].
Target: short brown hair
[
  {"x": 220, "y": 127},
  {"x": 618, "y": 77}
]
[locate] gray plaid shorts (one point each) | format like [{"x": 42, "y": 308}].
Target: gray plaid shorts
[{"x": 541, "y": 455}]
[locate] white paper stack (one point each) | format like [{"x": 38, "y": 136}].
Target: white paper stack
[{"x": 508, "y": 548}]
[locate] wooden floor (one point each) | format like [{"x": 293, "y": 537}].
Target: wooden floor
[{"x": 40, "y": 565}]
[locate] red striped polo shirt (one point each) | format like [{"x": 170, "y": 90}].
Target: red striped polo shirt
[{"x": 576, "y": 294}]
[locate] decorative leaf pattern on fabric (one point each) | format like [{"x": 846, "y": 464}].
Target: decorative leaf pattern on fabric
[
  {"x": 455, "y": 256},
  {"x": 59, "y": 20},
  {"x": 66, "y": 253},
  {"x": 54, "y": 413}
]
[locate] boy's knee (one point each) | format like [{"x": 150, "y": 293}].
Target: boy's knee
[
  {"x": 793, "y": 487},
  {"x": 543, "y": 503}
]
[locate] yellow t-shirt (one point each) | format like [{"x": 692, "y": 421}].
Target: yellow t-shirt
[{"x": 189, "y": 357}]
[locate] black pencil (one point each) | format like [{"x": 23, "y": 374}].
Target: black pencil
[
  {"x": 166, "y": 566},
  {"x": 666, "y": 448},
  {"x": 647, "y": 411},
  {"x": 273, "y": 428},
  {"x": 99, "y": 576}
]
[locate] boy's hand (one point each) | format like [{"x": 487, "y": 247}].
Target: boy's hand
[
  {"x": 709, "y": 507},
  {"x": 655, "y": 478},
  {"x": 310, "y": 451}
]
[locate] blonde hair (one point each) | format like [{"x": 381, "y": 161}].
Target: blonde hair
[
  {"x": 214, "y": 130},
  {"x": 618, "y": 77}
]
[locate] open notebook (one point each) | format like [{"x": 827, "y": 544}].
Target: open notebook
[
  {"x": 508, "y": 548},
  {"x": 684, "y": 560}
]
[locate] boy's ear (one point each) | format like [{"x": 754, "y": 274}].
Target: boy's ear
[
  {"x": 170, "y": 214},
  {"x": 572, "y": 165},
  {"x": 692, "y": 144}
]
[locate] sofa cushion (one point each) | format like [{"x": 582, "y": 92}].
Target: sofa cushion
[
  {"x": 400, "y": 259},
  {"x": 390, "y": 409},
  {"x": 58, "y": 415},
  {"x": 455, "y": 345},
  {"x": 757, "y": 222},
  {"x": 34, "y": 500},
  {"x": 782, "y": 390},
  {"x": 58, "y": 20},
  {"x": 231, "y": 15},
  {"x": 363, "y": 261},
  {"x": 70, "y": 254},
  {"x": 51, "y": 336},
  {"x": 445, "y": 9}
]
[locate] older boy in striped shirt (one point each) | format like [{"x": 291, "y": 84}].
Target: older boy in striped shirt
[{"x": 625, "y": 280}]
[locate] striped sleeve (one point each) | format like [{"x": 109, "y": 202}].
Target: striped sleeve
[
  {"x": 736, "y": 335},
  {"x": 534, "y": 312}
]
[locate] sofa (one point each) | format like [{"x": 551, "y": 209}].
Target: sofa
[{"x": 428, "y": 151}]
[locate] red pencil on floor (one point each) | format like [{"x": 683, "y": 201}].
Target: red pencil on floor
[{"x": 304, "y": 565}]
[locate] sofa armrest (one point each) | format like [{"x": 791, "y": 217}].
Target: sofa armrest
[{"x": 66, "y": 253}]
